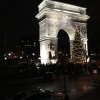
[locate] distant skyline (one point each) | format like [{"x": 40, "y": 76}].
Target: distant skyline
[{"x": 18, "y": 19}]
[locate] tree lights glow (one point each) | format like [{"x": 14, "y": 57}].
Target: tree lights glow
[{"x": 78, "y": 53}]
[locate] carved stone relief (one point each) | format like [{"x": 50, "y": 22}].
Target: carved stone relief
[
  {"x": 84, "y": 30},
  {"x": 51, "y": 29},
  {"x": 42, "y": 30}
]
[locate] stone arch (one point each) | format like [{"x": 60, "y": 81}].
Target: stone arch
[
  {"x": 69, "y": 30},
  {"x": 71, "y": 33},
  {"x": 54, "y": 16}
]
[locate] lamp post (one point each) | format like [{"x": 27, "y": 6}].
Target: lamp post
[
  {"x": 64, "y": 83},
  {"x": 64, "y": 74},
  {"x": 38, "y": 70},
  {"x": 5, "y": 52}
]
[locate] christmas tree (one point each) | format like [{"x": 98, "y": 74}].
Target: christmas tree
[{"x": 78, "y": 53}]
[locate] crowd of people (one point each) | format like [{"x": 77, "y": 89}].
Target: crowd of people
[
  {"x": 70, "y": 69},
  {"x": 40, "y": 70}
]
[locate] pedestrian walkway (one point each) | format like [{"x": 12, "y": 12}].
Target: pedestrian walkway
[{"x": 81, "y": 88}]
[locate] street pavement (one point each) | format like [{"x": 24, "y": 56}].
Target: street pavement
[
  {"x": 81, "y": 88},
  {"x": 77, "y": 88}
]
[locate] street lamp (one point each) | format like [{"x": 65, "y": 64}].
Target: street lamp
[
  {"x": 38, "y": 70},
  {"x": 64, "y": 74},
  {"x": 5, "y": 58},
  {"x": 33, "y": 54}
]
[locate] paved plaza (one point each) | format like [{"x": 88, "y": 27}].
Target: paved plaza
[{"x": 80, "y": 88}]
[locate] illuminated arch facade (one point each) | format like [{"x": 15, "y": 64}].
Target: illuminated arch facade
[{"x": 54, "y": 16}]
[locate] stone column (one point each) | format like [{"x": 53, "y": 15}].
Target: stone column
[
  {"x": 86, "y": 46},
  {"x": 71, "y": 48},
  {"x": 85, "y": 43}
]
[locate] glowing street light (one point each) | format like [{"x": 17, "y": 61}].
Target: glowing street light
[
  {"x": 5, "y": 58},
  {"x": 33, "y": 54},
  {"x": 21, "y": 57},
  {"x": 9, "y": 54}
]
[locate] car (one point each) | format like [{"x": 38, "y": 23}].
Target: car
[
  {"x": 59, "y": 96},
  {"x": 40, "y": 96},
  {"x": 35, "y": 89},
  {"x": 19, "y": 96},
  {"x": 50, "y": 91}
]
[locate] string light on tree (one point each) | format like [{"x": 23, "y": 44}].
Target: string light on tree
[{"x": 78, "y": 53}]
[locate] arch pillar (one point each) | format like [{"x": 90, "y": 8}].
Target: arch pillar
[
  {"x": 71, "y": 49},
  {"x": 85, "y": 41},
  {"x": 49, "y": 50}
]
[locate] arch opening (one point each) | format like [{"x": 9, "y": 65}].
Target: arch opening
[{"x": 63, "y": 45}]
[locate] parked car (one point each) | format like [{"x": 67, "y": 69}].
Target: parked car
[
  {"x": 35, "y": 89},
  {"x": 59, "y": 96},
  {"x": 19, "y": 96},
  {"x": 40, "y": 96}
]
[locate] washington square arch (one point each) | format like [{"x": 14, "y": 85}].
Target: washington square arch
[{"x": 54, "y": 16}]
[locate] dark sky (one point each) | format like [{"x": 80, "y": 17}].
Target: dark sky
[{"x": 18, "y": 19}]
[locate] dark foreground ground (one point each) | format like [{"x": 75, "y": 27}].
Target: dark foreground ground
[{"x": 78, "y": 88}]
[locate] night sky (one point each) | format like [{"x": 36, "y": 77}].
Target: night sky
[{"x": 18, "y": 19}]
